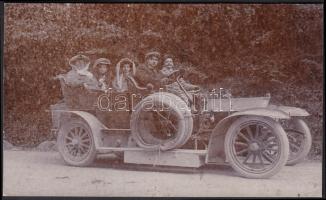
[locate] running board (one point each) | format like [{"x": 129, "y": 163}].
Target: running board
[{"x": 175, "y": 157}]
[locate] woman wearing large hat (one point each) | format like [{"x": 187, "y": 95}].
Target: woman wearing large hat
[
  {"x": 125, "y": 70},
  {"x": 101, "y": 67},
  {"x": 79, "y": 74}
]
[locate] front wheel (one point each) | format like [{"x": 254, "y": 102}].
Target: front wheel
[
  {"x": 256, "y": 147},
  {"x": 300, "y": 141},
  {"x": 76, "y": 143}
]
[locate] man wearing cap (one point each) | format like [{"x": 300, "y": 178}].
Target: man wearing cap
[
  {"x": 170, "y": 83},
  {"x": 168, "y": 66},
  {"x": 148, "y": 73}
]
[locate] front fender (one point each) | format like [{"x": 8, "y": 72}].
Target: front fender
[
  {"x": 215, "y": 152},
  {"x": 95, "y": 125},
  {"x": 291, "y": 111},
  {"x": 265, "y": 112}
]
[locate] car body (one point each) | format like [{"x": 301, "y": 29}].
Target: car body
[{"x": 217, "y": 129}]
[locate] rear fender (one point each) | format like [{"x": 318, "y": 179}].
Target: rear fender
[
  {"x": 94, "y": 124},
  {"x": 215, "y": 152}
]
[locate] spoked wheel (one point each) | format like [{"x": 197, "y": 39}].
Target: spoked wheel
[
  {"x": 162, "y": 124},
  {"x": 256, "y": 147},
  {"x": 300, "y": 141},
  {"x": 76, "y": 143}
]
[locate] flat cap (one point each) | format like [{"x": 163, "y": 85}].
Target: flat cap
[
  {"x": 152, "y": 53},
  {"x": 101, "y": 61}
]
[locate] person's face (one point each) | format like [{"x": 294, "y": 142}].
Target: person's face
[
  {"x": 168, "y": 62},
  {"x": 103, "y": 68},
  {"x": 126, "y": 68},
  {"x": 80, "y": 64},
  {"x": 152, "y": 61}
]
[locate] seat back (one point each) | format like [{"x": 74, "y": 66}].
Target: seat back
[{"x": 78, "y": 97}]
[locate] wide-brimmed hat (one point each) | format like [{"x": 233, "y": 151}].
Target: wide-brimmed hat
[
  {"x": 125, "y": 60},
  {"x": 81, "y": 69},
  {"x": 73, "y": 62},
  {"x": 152, "y": 53},
  {"x": 104, "y": 61}
]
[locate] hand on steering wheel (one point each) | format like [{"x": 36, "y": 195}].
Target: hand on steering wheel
[
  {"x": 165, "y": 81},
  {"x": 150, "y": 86}
]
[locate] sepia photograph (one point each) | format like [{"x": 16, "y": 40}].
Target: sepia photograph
[{"x": 163, "y": 100}]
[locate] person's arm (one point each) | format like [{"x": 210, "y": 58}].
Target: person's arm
[
  {"x": 143, "y": 77},
  {"x": 91, "y": 83}
]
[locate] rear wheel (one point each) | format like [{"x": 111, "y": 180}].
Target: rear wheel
[
  {"x": 256, "y": 147},
  {"x": 76, "y": 143}
]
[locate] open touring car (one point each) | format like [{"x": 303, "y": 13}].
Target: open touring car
[{"x": 159, "y": 128}]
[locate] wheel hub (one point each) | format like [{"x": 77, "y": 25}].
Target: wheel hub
[
  {"x": 75, "y": 141},
  {"x": 254, "y": 146}
]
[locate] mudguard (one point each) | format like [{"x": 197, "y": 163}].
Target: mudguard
[
  {"x": 94, "y": 124},
  {"x": 291, "y": 111},
  {"x": 215, "y": 152}
]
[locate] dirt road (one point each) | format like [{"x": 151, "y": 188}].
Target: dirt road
[{"x": 44, "y": 174}]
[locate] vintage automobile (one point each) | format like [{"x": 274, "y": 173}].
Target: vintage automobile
[{"x": 159, "y": 128}]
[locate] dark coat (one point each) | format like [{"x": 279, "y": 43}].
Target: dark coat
[{"x": 145, "y": 75}]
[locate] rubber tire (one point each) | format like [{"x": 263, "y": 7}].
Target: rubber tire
[
  {"x": 189, "y": 122},
  {"x": 60, "y": 142},
  {"x": 186, "y": 127},
  {"x": 283, "y": 140},
  {"x": 307, "y": 143}
]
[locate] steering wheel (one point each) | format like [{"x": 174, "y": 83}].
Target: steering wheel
[
  {"x": 194, "y": 91},
  {"x": 177, "y": 73}
]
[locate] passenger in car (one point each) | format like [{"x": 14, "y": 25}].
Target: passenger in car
[
  {"x": 125, "y": 70},
  {"x": 79, "y": 74},
  {"x": 148, "y": 72},
  {"x": 101, "y": 73}
]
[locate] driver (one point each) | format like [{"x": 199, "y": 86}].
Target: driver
[
  {"x": 168, "y": 66},
  {"x": 171, "y": 85}
]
